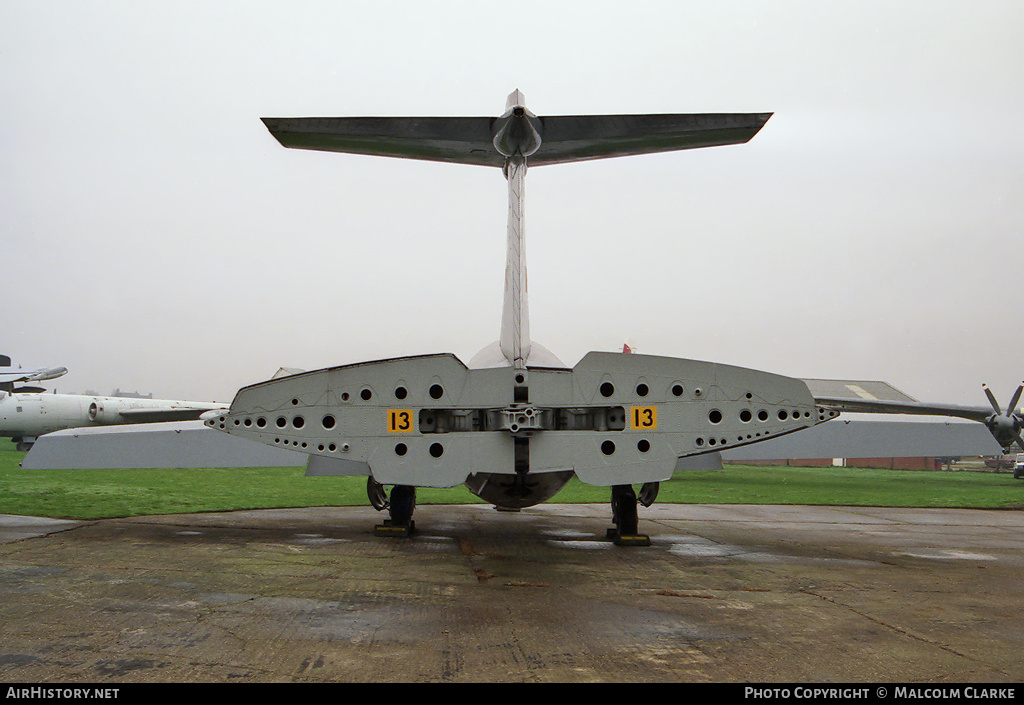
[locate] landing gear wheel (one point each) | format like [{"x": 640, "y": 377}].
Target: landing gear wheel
[
  {"x": 377, "y": 495},
  {"x": 402, "y": 504},
  {"x": 624, "y": 516}
]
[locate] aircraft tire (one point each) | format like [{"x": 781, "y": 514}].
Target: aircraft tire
[
  {"x": 624, "y": 511},
  {"x": 403, "y": 502}
]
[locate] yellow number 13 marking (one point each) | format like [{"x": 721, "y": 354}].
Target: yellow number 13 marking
[
  {"x": 399, "y": 420},
  {"x": 643, "y": 418}
]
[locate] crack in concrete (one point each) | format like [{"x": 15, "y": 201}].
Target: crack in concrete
[{"x": 909, "y": 633}]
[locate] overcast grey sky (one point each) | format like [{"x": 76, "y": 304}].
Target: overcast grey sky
[{"x": 159, "y": 239}]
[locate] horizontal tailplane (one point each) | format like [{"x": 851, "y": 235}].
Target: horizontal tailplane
[{"x": 472, "y": 140}]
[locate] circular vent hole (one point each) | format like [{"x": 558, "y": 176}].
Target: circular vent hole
[{"x": 607, "y": 389}]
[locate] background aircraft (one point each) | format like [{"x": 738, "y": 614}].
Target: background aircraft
[
  {"x": 27, "y": 413},
  {"x": 1005, "y": 426},
  {"x": 516, "y": 423},
  {"x": 25, "y": 417},
  {"x": 10, "y": 376}
]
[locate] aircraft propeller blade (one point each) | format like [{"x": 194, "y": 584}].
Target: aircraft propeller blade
[
  {"x": 1013, "y": 402},
  {"x": 992, "y": 400}
]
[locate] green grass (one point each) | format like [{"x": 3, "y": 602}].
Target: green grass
[{"x": 95, "y": 494}]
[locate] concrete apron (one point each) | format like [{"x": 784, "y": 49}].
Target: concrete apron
[{"x": 725, "y": 593}]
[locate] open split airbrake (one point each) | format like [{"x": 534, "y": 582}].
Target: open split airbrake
[{"x": 516, "y": 424}]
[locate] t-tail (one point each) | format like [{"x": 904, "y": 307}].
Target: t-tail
[{"x": 514, "y": 141}]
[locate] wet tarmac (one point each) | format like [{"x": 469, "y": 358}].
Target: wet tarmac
[{"x": 723, "y": 594}]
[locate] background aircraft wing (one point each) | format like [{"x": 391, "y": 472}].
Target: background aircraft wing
[
  {"x": 873, "y": 397},
  {"x": 36, "y": 374},
  {"x": 470, "y": 140},
  {"x": 973, "y": 413},
  {"x": 182, "y": 413},
  {"x": 1005, "y": 426}
]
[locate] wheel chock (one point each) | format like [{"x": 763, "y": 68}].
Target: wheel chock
[
  {"x": 393, "y": 530},
  {"x": 628, "y": 540}
]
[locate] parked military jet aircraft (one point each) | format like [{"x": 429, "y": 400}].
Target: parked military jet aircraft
[
  {"x": 26, "y": 416},
  {"x": 10, "y": 375},
  {"x": 26, "y": 413},
  {"x": 516, "y": 424}
]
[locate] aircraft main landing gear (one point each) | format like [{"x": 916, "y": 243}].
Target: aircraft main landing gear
[
  {"x": 401, "y": 506},
  {"x": 624, "y": 516}
]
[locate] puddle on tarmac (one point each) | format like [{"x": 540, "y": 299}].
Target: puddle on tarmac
[
  {"x": 316, "y": 540},
  {"x": 949, "y": 555}
]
